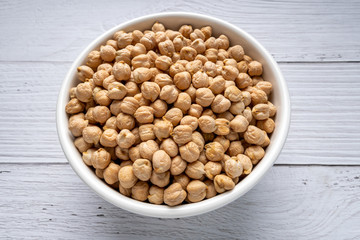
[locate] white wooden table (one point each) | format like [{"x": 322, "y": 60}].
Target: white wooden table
[{"x": 313, "y": 191}]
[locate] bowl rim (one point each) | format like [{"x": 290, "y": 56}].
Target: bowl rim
[{"x": 164, "y": 211}]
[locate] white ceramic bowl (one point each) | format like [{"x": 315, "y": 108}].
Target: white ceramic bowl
[{"x": 272, "y": 73}]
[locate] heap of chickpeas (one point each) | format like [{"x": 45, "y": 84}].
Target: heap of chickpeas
[{"x": 171, "y": 116}]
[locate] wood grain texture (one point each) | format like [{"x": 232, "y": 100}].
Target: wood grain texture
[
  {"x": 324, "y": 126},
  {"x": 42, "y": 201},
  {"x": 322, "y": 30}
]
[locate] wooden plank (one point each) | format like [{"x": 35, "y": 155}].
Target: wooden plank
[
  {"x": 324, "y": 128},
  {"x": 46, "y": 201},
  {"x": 323, "y": 30}
]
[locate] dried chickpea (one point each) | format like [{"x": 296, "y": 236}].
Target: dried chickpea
[
  {"x": 204, "y": 97},
  {"x": 265, "y": 86},
  {"x": 220, "y": 104},
  {"x": 162, "y": 129},
  {"x": 255, "y": 153},
  {"x": 258, "y": 96},
  {"x": 233, "y": 94},
  {"x": 123, "y": 55},
  {"x": 183, "y": 102},
  {"x": 84, "y": 92},
  {"x": 169, "y": 94},
  {"x": 137, "y": 50},
  {"x": 134, "y": 153},
  {"x": 193, "y": 66},
  {"x": 146, "y": 132},
  {"x": 170, "y": 147},
  {"x": 242, "y": 66},
  {"x": 160, "y": 179},
  {"x": 81, "y": 144},
  {"x": 188, "y": 53},
  {"x": 101, "y": 114},
  {"x": 110, "y": 123},
  {"x": 160, "y": 108},
  {"x": 217, "y": 85},
  {"x": 174, "y": 194},
  {"x": 182, "y": 179},
  {"x": 195, "y": 170},
  {"x": 222, "y": 126},
  {"x": 211, "y": 54},
  {"x": 182, "y": 80},
  {"x": 99, "y": 173},
  {"x": 141, "y": 74},
  {"x": 74, "y": 106},
  {"x": 247, "y": 114},
  {"x": 129, "y": 105},
  {"x": 210, "y": 69},
  {"x": 174, "y": 115},
  {"x": 227, "y": 115},
  {"x": 200, "y": 80},
  {"x": 116, "y": 91},
  {"x": 87, "y": 155},
  {"x": 111, "y": 173},
  {"x": 126, "y": 177},
  {"x": 166, "y": 48},
  {"x": 195, "y": 110},
  {"x": 254, "y": 135},
  {"x": 261, "y": 111},
  {"x": 223, "y": 42},
  {"x": 246, "y": 163},
  {"x": 196, "y": 191},
  {"x": 212, "y": 169},
  {"x": 91, "y": 134},
  {"x": 142, "y": 169},
  {"x": 237, "y": 108},
  {"x": 230, "y": 73},
  {"x": 268, "y": 125},
  {"x": 150, "y": 90},
  {"x": 223, "y": 141},
  {"x": 207, "y": 124},
  {"x": 243, "y": 80},
  {"x": 192, "y": 92},
  {"x": 239, "y": 124},
  {"x": 125, "y": 139},
  {"x": 236, "y": 52},
  {"x": 100, "y": 158},
  {"x": 163, "y": 80},
  {"x": 161, "y": 161},
  {"x": 107, "y": 53},
  {"x": 125, "y": 121},
  {"x": 210, "y": 190},
  {"x": 108, "y": 138},
  {"x": 132, "y": 89},
  {"x": 140, "y": 191},
  {"x": 124, "y": 39},
  {"x": 144, "y": 114},
  {"x": 176, "y": 68},
  {"x": 255, "y": 68},
  {"x": 272, "y": 109},
  {"x": 214, "y": 151},
  {"x": 121, "y": 71},
  {"x": 163, "y": 63},
  {"x": 182, "y": 134},
  {"x": 178, "y": 166},
  {"x": 199, "y": 46},
  {"x": 235, "y": 148},
  {"x": 148, "y": 148},
  {"x": 156, "y": 195},
  {"x": 142, "y": 60},
  {"x": 189, "y": 152},
  {"x": 190, "y": 121},
  {"x": 94, "y": 59},
  {"x": 223, "y": 183},
  {"x": 232, "y": 136},
  {"x": 77, "y": 123},
  {"x": 101, "y": 97},
  {"x": 84, "y": 72}
]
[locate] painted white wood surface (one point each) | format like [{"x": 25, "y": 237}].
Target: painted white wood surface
[{"x": 312, "y": 193}]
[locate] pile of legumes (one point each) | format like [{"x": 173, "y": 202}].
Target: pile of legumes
[{"x": 171, "y": 117}]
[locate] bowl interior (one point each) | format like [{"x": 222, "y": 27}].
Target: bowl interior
[{"x": 279, "y": 97}]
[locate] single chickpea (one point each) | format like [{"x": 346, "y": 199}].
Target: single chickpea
[
  {"x": 84, "y": 92},
  {"x": 116, "y": 91},
  {"x": 217, "y": 85},
  {"x": 100, "y": 158},
  {"x": 237, "y": 108},
  {"x": 225, "y": 143},
  {"x": 112, "y": 152},
  {"x": 125, "y": 139},
  {"x": 161, "y": 161},
  {"x": 258, "y": 96},
  {"x": 212, "y": 169},
  {"x": 74, "y": 106},
  {"x": 156, "y": 195},
  {"x": 127, "y": 177},
  {"x": 199, "y": 46},
  {"x": 178, "y": 165},
  {"x": 211, "y": 54},
  {"x": 174, "y": 115},
  {"x": 261, "y": 111},
  {"x": 142, "y": 169},
  {"x": 222, "y": 126},
  {"x": 223, "y": 55},
  {"x": 92, "y": 134},
  {"x": 196, "y": 191},
  {"x": 209, "y": 112},
  {"x": 152, "y": 56},
  {"x": 82, "y": 145},
  {"x": 210, "y": 190},
  {"x": 229, "y": 84},
  {"x": 141, "y": 75},
  {"x": 204, "y": 97},
  {"x": 239, "y": 124},
  {"x": 112, "y": 43},
  {"x": 158, "y": 27},
  {"x": 148, "y": 148},
  {"x": 202, "y": 157},
  {"x": 122, "y": 154},
  {"x": 235, "y": 148},
  {"x": 189, "y": 152},
  {"x": 183, "y": 102},
  {"x": 134, "y": 153},
  {"x": 220, "y": 104},
  {"x": 144, "y": 114},
  {"x": 137, "y": 35},
  {"x": 99, "y": 173},
  {"x": 172, "y": 34},
  {"x": 254, "y": 135},
  {"x": 214, "y": 151},
  {"x": 87, "y": 155},
  {"x": 195, "y": 110},
  {"x": 169, "y": 94},
  {"x": 266, "y": 142},
  {"x": 247, "y": 114},
  {"x": 110, "y": 124},
  {"x": 160, "y": 179},
  {"x": 182, "y": 80},
  {"x": 230, "y": 62},
  {"x": 265, "y": 86},
  {"x": 188, "y": 53},
  {"x": 195, "y": 170},
  {"x": 192, "y": 92},
  {"x": 111, "y": 173},
  {"x": 163, "y": 79},
  {"x": 268, "y": 125},
  {"x": 146, "y": 132},
  {"x": 94, "y": 59},
  {"x": 140, "y": 191},
  {"x": 129, "y": 105},
  {"x": 207, "y": 124},
  {"x": 123, "y": 55},
  {"x": 125, "y": 121},
  {"x": 207, "y": 31},
  {"x": 223, "y": 183},
  {"x": 182, "y": 179},
  {"x": 272, "y": 109},
  {"x": 198, "y": 139},
  {"x": 176, "y": 68},
  {"x": 193, "y": 66},
  {"x": 142, "y": 101},
  {"x": 174, "y": 194},
  {"x": 163, "y": 63},
  {"x": 125, "y": 191},
  {"x": 89, "y": 115},
  {"x": 166, "y": 48},
  {"x": 182, "y": 134},
  {"x": 170, "y": 147},
  {"x": 255, "y": 68},
  {"x": 150, "y": 90},
  {"x": 190, "y": 121},
  {"x": 84, "y": 72},
  {"x": 200, "y": 80},
  {"x": 101, "y": 98},
  {"x": 77, "y": 123},
  {"x": 186, "y": 30},
  {"x": 72, "y": 92},
  {"x": 233, "y": 136},
  {"x": 108, "y": 138},
  {"x": 142, "y": 60},
  {"x": 107, "y": 53},
  {"x": 175, "y": 57},
  {"x": 114, "y": 108},
  {"x": 246, "y": 163},
  {"x": 202, "y": 58},
  {"x": 197, "y": 34},
  {"x": 160, "y": 108},
  {"x": 227, "y": 115},
  {"x": 135, "y": 131},
  {"x": 236, "y": 52},
  {"x": 101, "y": 114},
  {"x": 242, "y": 66},
  {"x": 160, "y": 37},
  {"x": 223, "y": 42},
  {"x": 137, "y": 50},
  {"x": 210, "y": 69},
  {"x": 233, "y": 94},
  {"x": 124, "y": 39},
  {"x": 255, "y": 153},
  {"x": 179, "y": 42},
  {"x": 211, "y": 43},
  {"x": 162, "y": 129},
  {"x": 132, "y": 89},
  {"x": 243, "y": 80},
  {"x": 121, "y": 71}
]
